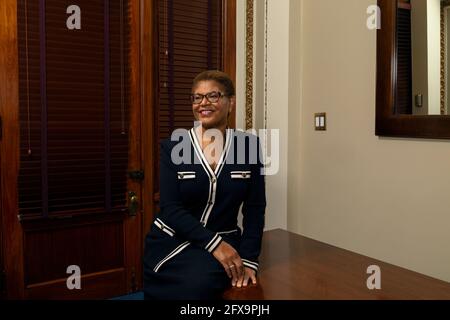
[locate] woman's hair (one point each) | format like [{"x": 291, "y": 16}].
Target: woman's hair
[{"x": 218, "y": 76}]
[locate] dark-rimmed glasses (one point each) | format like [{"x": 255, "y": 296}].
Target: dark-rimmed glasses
[{"x": 212, "y": 97}]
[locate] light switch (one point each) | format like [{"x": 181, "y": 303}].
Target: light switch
[{"x": 320, "y": 121}]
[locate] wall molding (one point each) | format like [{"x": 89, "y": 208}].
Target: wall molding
[
  {"x": 444, "y": 54},
  {"x": 266, "y": 37},
  {"x": 249, "y": 65}
]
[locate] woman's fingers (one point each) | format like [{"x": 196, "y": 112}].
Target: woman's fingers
[
  {"x": 245, "y": 278},
  {"x": 239, "y": 266},
  {"x": 230, "y": 260},
  {"x": 227, "y": 270},
  {"x": 253, "y": 276},
  {"x": 234, "y": 272},
  {"x": 249, "y": 274}
]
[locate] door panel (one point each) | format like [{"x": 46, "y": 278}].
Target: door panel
[
  {"x": 101, "y": 285},
  {"x": 94, "y": 246}
]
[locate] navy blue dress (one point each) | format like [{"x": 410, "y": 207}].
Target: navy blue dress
[{"x": 199, "y": 209}]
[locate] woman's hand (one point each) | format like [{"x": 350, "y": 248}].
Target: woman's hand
[
  {"x": 230, "y": 260},
  {"x": 249, "y": 274}
]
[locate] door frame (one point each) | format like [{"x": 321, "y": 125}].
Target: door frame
[
  {"x": 149, "y": 81},
  {"x": 229, "y": 45},
  {"x": 133, "y": 225},
  {"x": 9, "y": 111}
]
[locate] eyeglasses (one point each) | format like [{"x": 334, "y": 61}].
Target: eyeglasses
[{"x": 212, "y": 97}]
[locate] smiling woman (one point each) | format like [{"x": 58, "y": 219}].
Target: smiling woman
[
  {"x": 213, "y": 101},
  {"x": 214, "y": 111},
  {"x": 195, "y": 250}
]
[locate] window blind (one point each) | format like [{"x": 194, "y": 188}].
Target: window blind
[
  {"x": 190, "y": 41},
  {"x": 74, "y": 89}
]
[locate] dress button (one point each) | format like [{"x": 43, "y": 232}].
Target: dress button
[
  {"x": 244, "y": 174},
  {"x": 213, "y": 180},
  {"x": 181, "y": 176},
  {"x": 210, "y": 203}
]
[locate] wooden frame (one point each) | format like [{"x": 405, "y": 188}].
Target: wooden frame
[
  {"x": 229, "y": 62},
  {"x": 149, "y": 84},
  {"x": 445, "y": 6},
  {"x": 9, "y": 100},
  {"x": 133, "y": 225},
  {"x": 387, "y": 123}
]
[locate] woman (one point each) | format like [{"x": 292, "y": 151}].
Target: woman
[{"x": 195, "y": 250}]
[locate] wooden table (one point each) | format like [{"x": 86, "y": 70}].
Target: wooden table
[{"x": 293, "y": 267}]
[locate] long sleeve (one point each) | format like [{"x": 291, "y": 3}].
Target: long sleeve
[
  {"x": 253, "y": 212},
  {"x": 173, "y": 214}
]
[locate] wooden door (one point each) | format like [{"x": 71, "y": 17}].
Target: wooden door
[{"x": 72, "y": 119}]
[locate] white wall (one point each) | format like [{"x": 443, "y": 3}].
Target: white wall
[
  {"x": 277, "y": 107},
  {"x": 384, "y": 198},
  {"x": 295, "y": 117}
]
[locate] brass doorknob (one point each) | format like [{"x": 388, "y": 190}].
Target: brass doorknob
[{"x": 133, "y": 203}]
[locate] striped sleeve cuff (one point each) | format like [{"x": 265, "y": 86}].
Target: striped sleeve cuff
[
  {"x": 214, "y": 243},
  {"x": 250, "y": 264},
  {"x": 164, "y": 227}
]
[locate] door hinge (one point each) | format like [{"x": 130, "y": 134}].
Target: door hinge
[{"x": 137, "y": 175}]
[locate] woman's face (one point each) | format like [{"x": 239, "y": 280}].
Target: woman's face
[{"x": 212, "y": 114}]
